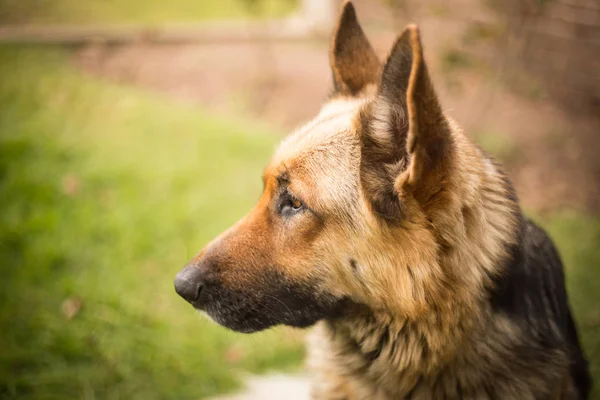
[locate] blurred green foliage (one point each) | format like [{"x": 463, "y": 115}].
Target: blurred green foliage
[
  {"x": 105, "y": 193},
  {"x": 501, "y": 146},
  {"x": 453, "y": 59},
  {"x": 137, "y": 11},
  {"x": 578, "y": 239}
]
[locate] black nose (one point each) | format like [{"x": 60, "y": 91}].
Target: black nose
[{"x": 189, "y": 282}]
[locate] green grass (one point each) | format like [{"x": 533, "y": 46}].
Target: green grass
[
  {"x": 578, "y": 239},
  {"x": 498, "y": 144},
  {"x": 105, "y": 193},
  {"x": 454, "y": 59},
  {"x": 137, "y": 11}
]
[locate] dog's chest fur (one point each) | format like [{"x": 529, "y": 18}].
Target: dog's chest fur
[
  {"x": 519, "y": 348},
  {"x": 367, "y": 358}
]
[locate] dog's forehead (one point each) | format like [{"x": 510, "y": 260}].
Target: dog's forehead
[
  {"x": 321, "y": 159},
  {"x": 332, "y": 130}
]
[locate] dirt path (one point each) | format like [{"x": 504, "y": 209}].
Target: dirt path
[
  {"x": 273, "y": 387},
  {"x": 550, "y": 155}
]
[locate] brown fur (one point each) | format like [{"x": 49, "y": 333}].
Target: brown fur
[
  {"x": 405, "y": 227},
  {"x": 353, "y": 59}
]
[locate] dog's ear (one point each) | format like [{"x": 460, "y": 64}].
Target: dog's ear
[
  {"x": 354, "y": 64},
  {"x": 429, "y": 142},
  {"x": 406, "y": 131}
]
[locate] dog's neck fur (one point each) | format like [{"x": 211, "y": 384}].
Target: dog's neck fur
[{"x": 473, "y": 232}]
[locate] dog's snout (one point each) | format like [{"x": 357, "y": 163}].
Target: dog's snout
[{"x": 189, "y": 283}]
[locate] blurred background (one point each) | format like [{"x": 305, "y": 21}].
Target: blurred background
[{"x": 132, "y": 132}]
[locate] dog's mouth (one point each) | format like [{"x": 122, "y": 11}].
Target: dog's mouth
[
  {"x": 253, "y": 311},
  {"x": 239, "y": 311},
  {"x": 264, "y": 300}
]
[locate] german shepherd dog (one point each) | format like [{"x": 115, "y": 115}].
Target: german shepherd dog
[{"x": 384, "y": 225}]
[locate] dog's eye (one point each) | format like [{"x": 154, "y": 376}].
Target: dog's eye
[
  {"x": 296, "y": 204},
  {"x": 290, "y": 204}
]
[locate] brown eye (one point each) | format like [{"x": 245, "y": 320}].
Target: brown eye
[
  {"x": 290, "y": 205},
  {"x": 296, "y": 204}
]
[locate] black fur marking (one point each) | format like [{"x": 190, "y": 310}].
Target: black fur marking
[
  {"x": 353, "y": 265},
  {"x": 396, "y": 75},
  {"x": 374, "y": 355},
  {"x": 531, "y": 291}
]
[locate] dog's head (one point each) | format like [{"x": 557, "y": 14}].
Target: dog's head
[{"x": 354, "y": 202}]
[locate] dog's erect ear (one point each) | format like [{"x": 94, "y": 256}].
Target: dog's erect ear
[
  {"x": 407, "y": 125},
  {"x": 354, "y": 63},
  {"x": 429, "y": 142}
]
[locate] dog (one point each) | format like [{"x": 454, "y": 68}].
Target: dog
[{"x": 404, "y": 243}]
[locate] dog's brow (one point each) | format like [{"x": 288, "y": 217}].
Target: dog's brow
[{"x": 283, "y": 177}]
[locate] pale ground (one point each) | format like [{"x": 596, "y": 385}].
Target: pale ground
[{"x": 273, "y": 387}]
